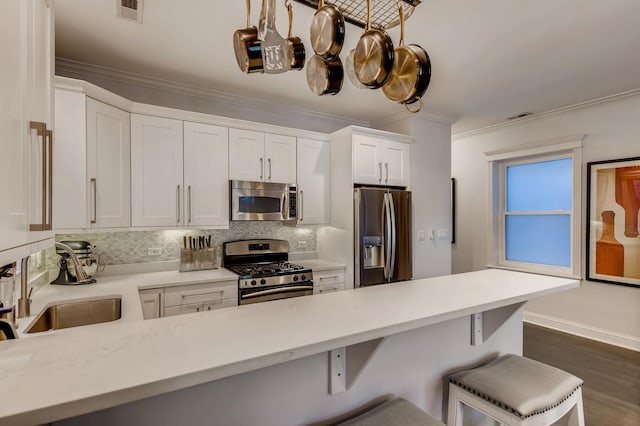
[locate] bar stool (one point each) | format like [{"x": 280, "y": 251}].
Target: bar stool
[
  {"x": 397, "y": 412},
  {"x": 517, "y": 391}
]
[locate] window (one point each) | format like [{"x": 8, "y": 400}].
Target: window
[{"x": 535, "y": 205}]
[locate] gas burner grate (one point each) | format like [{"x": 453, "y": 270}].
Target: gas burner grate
[{"x": 384, "y": 13}]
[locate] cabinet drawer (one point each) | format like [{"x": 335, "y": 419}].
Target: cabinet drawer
[
  {"x": 207, "y": 292},
  {"x": 328, "y": 288},
  {"x": 331, "y": 277},
  {"x": 182, "y": 309}
]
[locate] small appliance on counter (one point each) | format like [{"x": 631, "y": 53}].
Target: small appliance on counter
[
  {"x": 7, "y": 288},
  {"x": 83, "y": 253}
]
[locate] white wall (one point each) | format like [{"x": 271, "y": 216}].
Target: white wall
[
  {"x": 605, "y": 312},
  {"x": 431, "y": 191}
]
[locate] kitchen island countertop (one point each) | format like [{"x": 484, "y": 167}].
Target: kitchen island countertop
[{"x": 84, "y": 369}]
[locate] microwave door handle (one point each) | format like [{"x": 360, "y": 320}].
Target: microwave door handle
[
  {"x": 393, "y": 235},
  {"x": 284, "y": 207}
]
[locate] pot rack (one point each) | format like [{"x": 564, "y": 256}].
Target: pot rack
[{"x": 384, "y": 13}]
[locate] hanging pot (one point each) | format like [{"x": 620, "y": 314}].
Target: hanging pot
[
  {"x": 297, "y": 52},
  {"x": 411, "y": 72},
  {"x": 327, "y": 31},
  {"x": 325, "y": 77},
  {"x": 350, "y": 71},
  {"x": 247, "y": 46},
  {"x": 373, "y": 58}
]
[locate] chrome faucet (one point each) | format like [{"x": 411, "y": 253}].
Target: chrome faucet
[
  {"x": 81, "y": 274},
  {"x": 24, "y": 303}
]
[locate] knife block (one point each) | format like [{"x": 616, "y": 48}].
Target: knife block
[{"x": 197, "y": 259}]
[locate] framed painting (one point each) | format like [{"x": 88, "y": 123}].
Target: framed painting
[{"x": 613, "y": 204}]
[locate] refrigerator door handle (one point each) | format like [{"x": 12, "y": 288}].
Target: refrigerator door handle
[
  {"x": 392, "y": 215},
  {"x": 388, "y": 237},
  {"x": 358, "y": 238}
]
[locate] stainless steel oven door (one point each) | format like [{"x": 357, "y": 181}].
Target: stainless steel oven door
[
  {"x": 259, "y": 201},
  {"x": 247, "y": 296}
]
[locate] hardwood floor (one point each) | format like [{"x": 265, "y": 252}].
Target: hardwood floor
[{"x": 611, "y": 391}]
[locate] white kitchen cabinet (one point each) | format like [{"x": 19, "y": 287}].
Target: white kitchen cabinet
[
  {"x": 328, "y": 281},
  {"x": 26, "y": 73},
  {"x": 93, "y": 149},
  {"x": 206, "y": 181},
  {"x": 378, "y": 161},
  {"x": 314, "y": 181},
  {"x": 152, "y": 303},
  {"x": 200, "y": 297},
  {"x": 260, "y": 157},
  {"x": 178, "y": 173}
]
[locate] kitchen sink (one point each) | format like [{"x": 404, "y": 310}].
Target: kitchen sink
[{"x": 74, "y": 314}]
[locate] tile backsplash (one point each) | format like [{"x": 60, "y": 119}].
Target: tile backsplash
[{"x": 116, "y": 248}]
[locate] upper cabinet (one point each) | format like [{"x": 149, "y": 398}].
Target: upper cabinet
[
  {"x": 92, "y": 154},
  {"x": 261, "y": 157},
  {"x": 26, "y": 112},
  {"x": 179, "y": 174},
  {"x": 380, "y": 161},
  {"x": 314, "y": 182}
]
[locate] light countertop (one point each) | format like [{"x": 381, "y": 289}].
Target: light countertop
[
  {"x": 319, "y": 265},
  {"x": 78, "y": 370}
]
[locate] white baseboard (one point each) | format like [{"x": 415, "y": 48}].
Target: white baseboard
[{"x": 589, "y": 332}]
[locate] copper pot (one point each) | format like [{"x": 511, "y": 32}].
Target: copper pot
[
  {"x": 325, "y": 77},
  {"x": 373, "y": 57},
  {"x": 247, "y": 46},
  {"x": 295, "y": 45},
  {"x": 327, "y": 31}
]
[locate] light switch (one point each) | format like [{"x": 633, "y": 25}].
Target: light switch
[{"x": 420, "y": 234}]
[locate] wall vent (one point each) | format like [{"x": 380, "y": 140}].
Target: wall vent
[
  {"x": 521, "y": 115},
  {"x": 130, "y": 10}
]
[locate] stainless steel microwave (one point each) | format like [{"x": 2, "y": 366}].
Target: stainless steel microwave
[{"x": 262, "y": 201}]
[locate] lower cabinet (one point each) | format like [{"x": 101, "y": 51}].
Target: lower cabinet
[
  {"x": 186, "y": 299},
  {"x": 328, "y": 281}
]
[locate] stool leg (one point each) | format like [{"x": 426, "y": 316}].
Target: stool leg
[
  {"x": 576, "y": 415},
  {"x": 454, "y": 415}
]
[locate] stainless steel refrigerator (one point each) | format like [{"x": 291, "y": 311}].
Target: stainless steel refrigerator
[{"x": 382, "y": 236}]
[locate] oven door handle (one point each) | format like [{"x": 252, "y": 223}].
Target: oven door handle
[{"x": 276, "y": 290}]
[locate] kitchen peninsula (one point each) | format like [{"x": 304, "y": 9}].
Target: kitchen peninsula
[{"x": 267, "y": 363}]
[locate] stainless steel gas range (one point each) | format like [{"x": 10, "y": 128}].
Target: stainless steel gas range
[{"x": 264, "y": 270}]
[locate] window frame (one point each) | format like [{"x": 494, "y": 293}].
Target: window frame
[{"x": 569, "y": 147}]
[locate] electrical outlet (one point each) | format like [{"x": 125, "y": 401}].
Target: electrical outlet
[
  {"x": 443, "y": 234},
  {"x": 155, "y": 251},
  {"x": 421, "y": 235},
  {"x": 302, "y": 244}
]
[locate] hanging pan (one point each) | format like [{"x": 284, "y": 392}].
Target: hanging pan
[
  {"x": 247, "y": 47},
  {"x": 373, "y": 58},
  {"x": 411, "y": 72},
  {"x": 296, "y": 47},
  {"x": 325, "y": 77},
  {"x": 327, "y": 31}
]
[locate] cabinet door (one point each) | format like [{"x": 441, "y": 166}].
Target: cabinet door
[
  {"x": 108, "y": 165},
  {"x": 396, "y": 160},
  {"x": 157, "y": 191},
  {"x": 13, "y": 173},
  {"x": 367, "y": 161},
  {"x": 280, "y": 158},
  {"x": 206, "y": 175},
  {"x": 246, "y": 155},
  {"x": 151, "y": 301},
  {"x": 314, "y": 181}
]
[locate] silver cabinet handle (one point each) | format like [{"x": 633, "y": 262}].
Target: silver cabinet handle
[
  {"x": 189, "y": 202},
  {"x": 47, "y": 176},
  {"x": 301, "y": 205},
  {"x": 94, "y": 195},
  {"x": 380, "y": 167},
  {"x": 386, "y": 166},
  {"x": 202, "y": 293},
  {"x": 331, "y": 277},
  {"x": 178, "y": 203},
  {"x": 269, "y": 161},
  {"x": 261, "y": 168},
  {"x": 328, "y": 290}
]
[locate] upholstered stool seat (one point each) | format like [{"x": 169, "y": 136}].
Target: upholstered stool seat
[
  {"x": 397, "y": 412},
  {"x": 516, "y": 391}
]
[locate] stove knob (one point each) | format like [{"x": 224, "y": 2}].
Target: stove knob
[
  {"x": 304, "y": 277},
  {"x": 263, "y": 281},
  {"x": 253, "y": 282},
  {"x": 295, "y": 278}
]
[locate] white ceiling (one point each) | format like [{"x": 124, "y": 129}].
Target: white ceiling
[{"x": 491, "y": 59}]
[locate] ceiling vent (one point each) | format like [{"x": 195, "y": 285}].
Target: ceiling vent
[
  {"x": 521, "y": 115},
  {"x": 130, "y": 10}
]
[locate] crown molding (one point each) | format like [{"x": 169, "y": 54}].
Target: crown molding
[
  {"x": 427, "y": 115},
  {"x": 82, "y": 70},
  {"x": 552, "y": 112}
]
